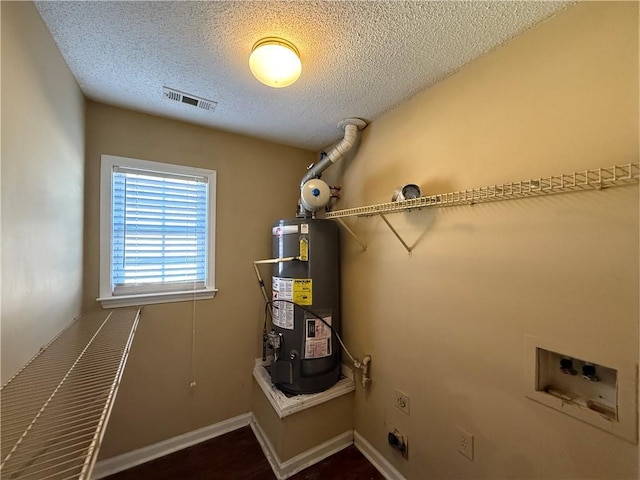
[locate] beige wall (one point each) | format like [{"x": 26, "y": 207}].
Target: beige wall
[
  {"x": 563, "y": 96},
  {"x": 304, "y": 430},
  {"x": 42, "y": 187},
  {"x": 448, "y": 324},
  {"x": 257, "y": 184}
]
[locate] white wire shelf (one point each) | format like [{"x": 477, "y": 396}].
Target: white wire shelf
[
  {"x": 55, "y": 409},
  {"x": 571, "y": 182},
  {"x": 617, "y": 175}
]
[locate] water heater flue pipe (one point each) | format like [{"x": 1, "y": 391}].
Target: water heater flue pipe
[{"x": 351, "y": 127}]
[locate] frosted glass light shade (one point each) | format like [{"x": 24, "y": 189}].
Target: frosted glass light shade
[{"x": 275, "y": 62}]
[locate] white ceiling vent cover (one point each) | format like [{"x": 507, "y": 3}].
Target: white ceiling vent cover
[{"x": 189, "y": 99}]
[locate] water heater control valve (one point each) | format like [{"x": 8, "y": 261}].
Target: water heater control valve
[{"x": 274, "y": 341}]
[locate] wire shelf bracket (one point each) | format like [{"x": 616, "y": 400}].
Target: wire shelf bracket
[
  {"x": 55, "y": 409},
  {"x": 352, "y": 233},
  {"x": 598, "y": 179}
]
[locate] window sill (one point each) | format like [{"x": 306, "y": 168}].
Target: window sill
[{"x": 152, "y": 298}]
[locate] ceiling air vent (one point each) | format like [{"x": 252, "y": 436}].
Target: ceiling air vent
[{"x": 189, "y": 99}]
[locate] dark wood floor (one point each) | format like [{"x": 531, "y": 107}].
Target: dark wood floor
[{"x": 238, "y": 456}]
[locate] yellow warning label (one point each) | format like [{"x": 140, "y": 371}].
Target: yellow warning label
[
  {"x": 303, "y": 291},
  {"x": 304, "y": 249}
]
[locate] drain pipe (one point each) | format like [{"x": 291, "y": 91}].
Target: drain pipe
[{"x": 315, "y": 194}]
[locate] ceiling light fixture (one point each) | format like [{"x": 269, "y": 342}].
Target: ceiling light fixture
[{"x": 275, "y": 62}]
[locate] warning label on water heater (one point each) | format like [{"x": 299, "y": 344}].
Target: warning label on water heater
[
  {"x": 317, "y": 338},
  {"x": 298, "y": 290},
  {"x": 282, "y": 312},
  {"x": 284, "y": 230},
  {"x": 303, "y": 291}
]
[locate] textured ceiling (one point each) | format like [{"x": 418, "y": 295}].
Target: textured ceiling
[{"x": 360, "y": 58}]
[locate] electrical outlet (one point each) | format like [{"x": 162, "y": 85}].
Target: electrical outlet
[
  {"x": 465, "y": 443},
  {"x": 401, "y": 401}
]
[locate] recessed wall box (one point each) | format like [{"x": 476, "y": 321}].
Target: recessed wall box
[
  {"x": 584, "y": 383},
  {"x": 588, "y": 386}
]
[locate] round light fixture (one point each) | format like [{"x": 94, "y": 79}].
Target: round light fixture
[{"x": 275, "y": 62}]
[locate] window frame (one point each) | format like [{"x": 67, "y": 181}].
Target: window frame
[{"x": 106, "y": 296}]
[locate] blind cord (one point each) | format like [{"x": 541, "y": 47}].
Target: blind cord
[{"x": 192, "y": 384}]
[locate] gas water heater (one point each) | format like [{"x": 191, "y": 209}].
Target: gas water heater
[{"x": 305, "y": 304}]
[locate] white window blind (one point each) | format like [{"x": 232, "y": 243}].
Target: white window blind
[
  {"x": 159, "y": 231},
  {"x": 158, "y": 224}
]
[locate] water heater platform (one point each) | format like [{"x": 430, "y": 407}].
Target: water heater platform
[{"x": 286, "y": 404}]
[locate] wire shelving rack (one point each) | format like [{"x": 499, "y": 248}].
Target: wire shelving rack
[
  {"x": 617, "y": 175},
  {"x": 55, "y": 409}
]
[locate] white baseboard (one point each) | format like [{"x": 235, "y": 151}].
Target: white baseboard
[
  {"x": 387, "y": 470},
  {"x": 267, "y": 448},
  {"x": 284, "y": 470},
  {"x": 137, "y": 457}
]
